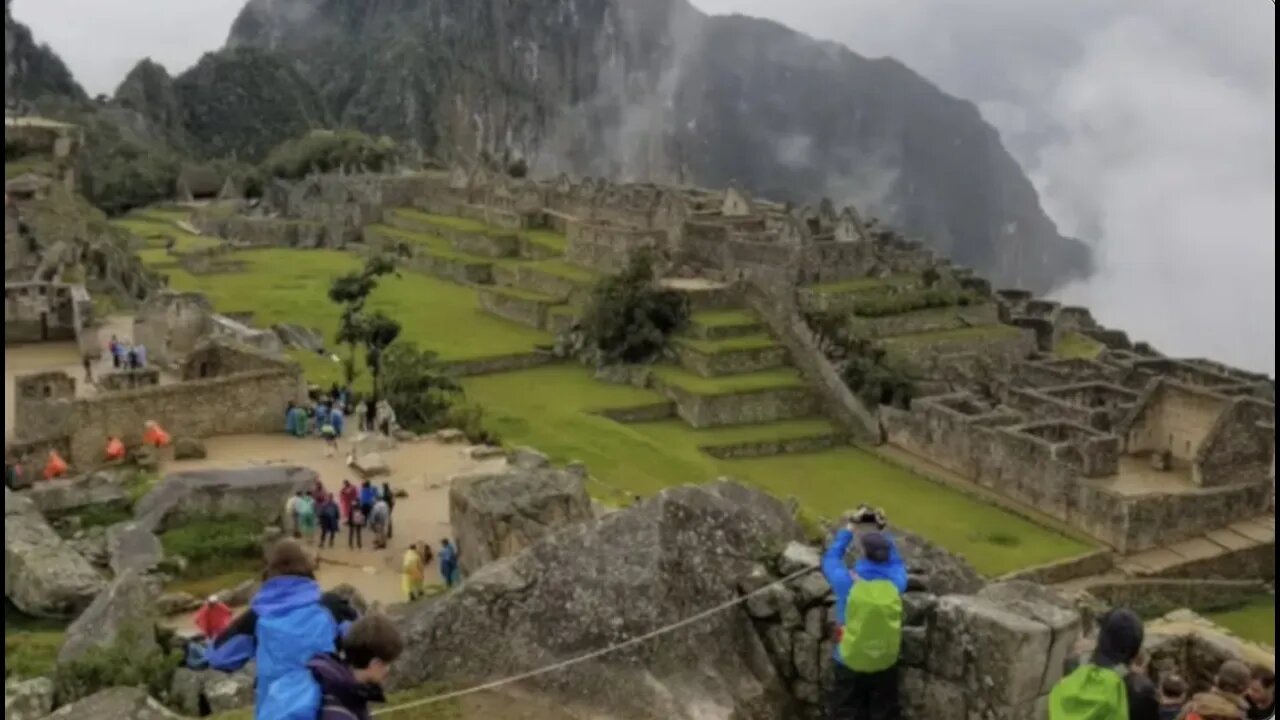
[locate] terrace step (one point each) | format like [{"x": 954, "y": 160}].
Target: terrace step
[
  {"x": 842, "y": 296},
  {"x": 731, "y": 356},
  {"x": 429, "y": 254},
  {"x": 1246, "y": 549},
  {"x": 520, "y": 306},
  {"x": 722, "y": 324},
  {"x": 745, "y": 399},
  {"x": 553, "y": 278},
  {"x": 465, "y": 237}
]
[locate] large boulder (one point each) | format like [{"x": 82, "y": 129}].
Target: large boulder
[
  {"x": 43, "y": 575},
  {"x": 299, "y": 337},
  {"x": 259, "y": 493},
  {"x": 54, "y": 497},
  {"x": 371, "y": 465},
  {"x": 189, "y": 448},
  {"x": 602, "y": 581},
  {"x": 123, "y": 613},
  {"x": 28, "y": 699},
  {"x": 118, "y": 703},
  {"x": 130, "y": 546},
  {"x": 192, "y": 690},
  {"x": 495, "y": 515}
]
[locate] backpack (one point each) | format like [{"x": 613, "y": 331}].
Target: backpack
[
  {"x": 1091, "y": 692},
  {"x": 872, "y": 635}
]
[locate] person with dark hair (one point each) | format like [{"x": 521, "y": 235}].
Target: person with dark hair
[
  {"x": 1106, "y": 685},
  {"x": 1173, "y": 694},
  {"x": 289, "y": 621},
  {"x": 391, "y": 506},
  {"x": 448, "y": 563},
  {"x": 350, "y": 682},
  {"x": 869, "y": 618},
  {"x": 330, "y": 520},
  {"x": 1225, "y": 700},
  {"x": 1261, "y": 694}
]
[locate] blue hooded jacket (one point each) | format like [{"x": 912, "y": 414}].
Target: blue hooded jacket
[
  {"x": 292, "y": 627},
  {"x": 841, "y": 579}
]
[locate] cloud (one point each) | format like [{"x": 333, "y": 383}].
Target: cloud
[{"x": 1148, "y": 128}]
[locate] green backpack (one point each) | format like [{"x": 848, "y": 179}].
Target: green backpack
[
  {"x": 872, "y": 632},
  {"x": 1091, "y": 692}
]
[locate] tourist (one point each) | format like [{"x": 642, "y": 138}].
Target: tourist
[
  {"x": 869, "y": 616},
  {"x": 296, "y": 421},
  {"x": 330, "y": 520},
  {"x": 114, "y": 348},
  {"x": 115, "y": 449},
  {"x": 371, "y": 416},
  {"x": 337, "y": 419},
  {"x": 335, "y": 394},
  {"x": 424, "y": 550},
  {"x": 307, "y": 517},
  {"x": 55, "y": 466},
  {"x": 88, "y": 368},
  {"x": 411, "y": 573},
  {"x": 288, "y": 623},
  {"x": 350, "y": 682},
  {"x": 1173, "y": 694},
  {"x": 347, "y": 497},
  {"x": 131, "y": 357},
  {"x": 1225, "y": 700},
  {"x": 1261, "y": 695},
  {"x": 154, "y": 435},
  {"x": 12, "y": 474},
  {"x": 355, "y": 528},
  {"x": 318, "y": 493},
  {"x": 1105, "y": 684},
  {"x": 448, "y": 563},
  {"x": 321, "y": 415},
  {"x": 391, "y": 506},
  {"x": 368, "y": 496},
  {"x": 213, "y": 617},
  {"x": 379, "y": 518},
  {"x": 330, "y": 435},
  {"x": 291, "y": 507},
  {"x": 362, "y": 420}
]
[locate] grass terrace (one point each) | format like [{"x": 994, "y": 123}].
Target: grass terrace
[
  {"x": 729, "y": 384},
  {"x": 30, "y": 644},
  {"x": 994, "y": 331},
  {"x": 1255, "y": 622},
  {"x": 551, "y": 408},
  {"x": 864, "y": 284},
  {"x": 733, "y": 344},
  {"x": 1077, "y": 345}
]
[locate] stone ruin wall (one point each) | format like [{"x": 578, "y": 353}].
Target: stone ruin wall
[{"x": 50, "y": 312}]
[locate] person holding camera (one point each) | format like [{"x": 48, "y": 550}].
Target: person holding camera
[{"x": 869, "y": 618}]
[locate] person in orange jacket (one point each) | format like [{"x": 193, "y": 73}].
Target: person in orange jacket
[
  {"x": 155, "y": 435},
  {"x": 115, "y": 449},
  {"x": 55, "y": 467}
]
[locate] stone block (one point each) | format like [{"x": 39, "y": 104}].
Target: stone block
[
  {"x": 798, "y": 556},
  {"x": 132, "y": 547},
  {"x": 928, "y": 697},
  {"x": 806, "y": 692},
  {"x": 485, "y": 452},
  {"x": 811, "y": 589},
  {"x": 804, "y": 654},
  {"x": 792, "y": 619},
  {"x": 917, "y": 608},
  {"x": 28, "y": 699},
  {"x": 1045, "y": 606},
  {"x": 371, "y": 465},
  {"x": 450, "y": 436},
  {"x": 777, "y": 640},
  {"x": 915, "y": 646},
  {"x": 527, "y": 459},
  {"x": 123, "y": 613},
  {"x": 1001, "y": 654},
  {"x": 173, "y": 603},
  {"x": 189, "y": 448},
  {"x": 815, "y": 622}
]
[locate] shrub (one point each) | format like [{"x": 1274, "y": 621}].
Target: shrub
[
  {"x": 629, "y": 317},
  {"x": 115, "y": 666},
  {"x": 215, "y": 544},
  {"x": 415, "y": 385},
  {"x": 470, "y": 420},
  {"x": 327, "y": 150}
]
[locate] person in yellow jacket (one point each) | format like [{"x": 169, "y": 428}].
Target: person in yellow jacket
[{"x": 411, "y": 573}]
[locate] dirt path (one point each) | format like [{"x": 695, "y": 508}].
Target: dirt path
[{"x": 422, "y": 469}]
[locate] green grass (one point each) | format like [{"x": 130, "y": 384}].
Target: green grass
[
  {"x": 676, "y": 432},
  {"x": 723, "y": 318},
  {"x": 734, "y": 344},
  {"x": 550, "y": 408},
  {"x": 1077, "y": 345},
  {"x": 447, "y": 221},
  {"x": 565, "y": 270},
  {"x": 155, "y": 227},
  {"x": 30, "y": 644},
  {"x": 522, "y": 294},
  {"x": 549, "y": 239},
  {"x": 864, "y": 284},
  {"x": 1255, "y": 622},
  {"x": 207, "y": 585},
  {"x": 36, "y": 163},
  {"x": 215, "y": 545},
  {"x": 288, "y": 285},
  {"x": 745, "y": 382}
]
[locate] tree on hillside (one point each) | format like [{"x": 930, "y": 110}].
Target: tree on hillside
[
  {"x": 351, "y": 291},
  {"x": 380, "y": 332},
  {"x": 415, "y": 385},
  {"x": 630, "y": 316}
]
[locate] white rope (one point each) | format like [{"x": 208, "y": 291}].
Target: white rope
[{"x": 594, "y": 653}]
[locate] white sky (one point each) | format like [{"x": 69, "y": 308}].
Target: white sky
[{"x": 1147, "y": 125}]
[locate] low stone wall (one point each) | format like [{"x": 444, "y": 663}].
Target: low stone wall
[
  {"x": 640, "y": 413},
  {"x": 498, "y": 364},
  {"x": 995, "y": 655},
  {"x": 606, "y": 248},
  {"x": 485, "y": 244},
  {"x": 267, "y": 231},
  {"x": 759, "y": 406},
  {"x": 1151, "y": 598},
  {"x": 929, "y": 320},
  {"x": 128, "y": 379},
  {"x": 447, "y": 268},
  {"x": 1060, "y": 571},
  {"x": 730, "y": 362},
  {"x": 1003, "y": 350},
  {"x": 531, "y": 279},
  {"x": 767, "y": 448},
  {"x": 1252, "y": 562},
  {"x": 1155, "y": 519},
  {"x": 245, "y": 403}
]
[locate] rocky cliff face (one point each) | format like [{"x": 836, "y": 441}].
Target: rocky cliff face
[
  {"x": 32, "y": 70},
  {"x": 658, "y": 90}
]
